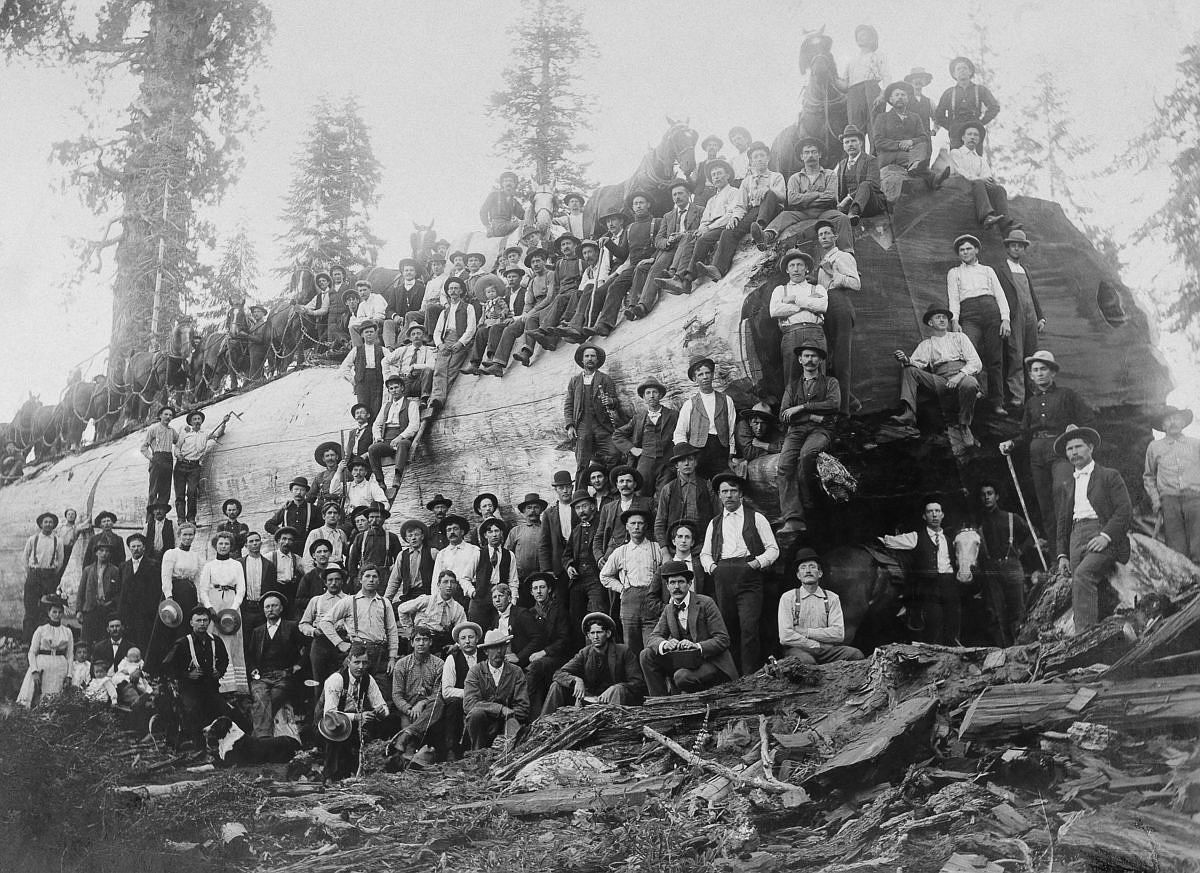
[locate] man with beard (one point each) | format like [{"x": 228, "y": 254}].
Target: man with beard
[
  {"x": 592, "y": 410},
  {"x": 502, "y": 212},
  {"x": 811, "y": 626}
]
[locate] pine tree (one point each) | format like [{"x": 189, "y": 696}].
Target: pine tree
[
  {"x": 334, "y": 189},
  {"x": 236, "y": 277},
  {"x": 541, "y": 105}
]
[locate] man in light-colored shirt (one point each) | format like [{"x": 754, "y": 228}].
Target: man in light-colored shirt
[
  {"x": 359, "y": 698},
  {"x": 946, "y": 364},
  {"x": 933, "y": 604},
  {"x": 707, "y": 420},
  {"x": 837, "y": 272},
  {"x": 396, "y": 425},
  {"x": 193, "y": 446},
  {"x": 811, "y": 196},
  {"x": 967, "y": 161},
  {"x": 452, "y": 336},
  {"x": 439, "y": 612},
  {"x": 414, "y": 362},
  {"x": 372, "y": 307},
  {"x": 159, "y": 449},
  {"x": 979, "y": 308},
  {"x": 323, "y": 653},
  {"x": 1172, "y": 481},
  {"x": 720, "y": 212},
  {"x": 629, "y": 571},
  {"x": 752, "y": 213},
  {"x": 459, "y": 557},
  {"x": 368, "y": 619},
  {"x": 811, "y": 626}
]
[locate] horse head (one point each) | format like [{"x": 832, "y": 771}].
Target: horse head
[
  {"x": 678, "y": 146},
  {"x": 422, "y": 240},
  {"x": 814, "y": 44},
  {"x": 968, "y": 543},
  {"x": 543, "y": 206}
]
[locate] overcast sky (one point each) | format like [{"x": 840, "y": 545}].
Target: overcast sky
[{"x": 422, "y": 72}]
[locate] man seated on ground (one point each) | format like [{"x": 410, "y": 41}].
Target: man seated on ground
[
  {"x": 396, "y": 425},
  {"x": 944, "y": 363},
  {"x": 991, "y": 199},
  {"x": 416, "y": 686},
  {"x": 197, "y": 661},
  {"x": 756, "y": 435},
  {"x": 463, "y": 655},
  {"x": 439, "y": 613},
  {"x": 812, "y": 194},
  {"x": 352, "y": 697},
  {"x": 502, "y": 212},
  {"x": 689, "y": 647},
  {"x": 811, "y": 627},
  {"x": 274, "y": 655},
  {"x": 753, "y": 212},
  {"x": 899, "y": 140},
  {"x": 859, "y": 194},
  {"x": 717, "y": 214},
  {"x": 495, "y": 698},
  {"x": 673, "y": 246},
  {"x": 414, "y": 362},
  {"x": 551, "y": 618},
  {"x": 602, "y": 672}
]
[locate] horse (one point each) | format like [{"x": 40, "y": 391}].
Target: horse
[
  {"x": 76, "y": 405},
  {"x": 22, "y": 423},
  {"x": 47, "y": 431},
  {"x": 823, "y": 115},
  {"x": 105, "y": 407},
  {"x": 303, "y": 287},
  {"x": 653, "y": 175},
  {"x": 422, "y": 240},
  {"x": 283, "y": 331},
  {"x": 145, "y": 380},
  {"x": 210, "y": 365},
  {"x": 180, "y": 348}
]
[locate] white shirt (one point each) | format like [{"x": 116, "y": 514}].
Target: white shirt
[
  {"x": 271, "y": 628},
  {"x": 908, "y": 541},
  {"x": 974, "y": 280},
  {"x": 496, "y": 672},
  {"x": 564, "y": 519},
  {"x": 969, "y": 164},
  {"x": 733, "y": 546},
  {"x": 1014, "y": 266},
  {"x": 374, "y": 307},
  {"x": 799, "y": 303},
  {"x": 253, "y": 577},
  {"x": 363, "y": 493},
  {"x": 462, "y": 560},
  {"x": 810, "y": 617},
  {"x": 1083, "y": 508},
  {"x": 719, "y": 207},
  {"x": 686, "y": 603},
  {"x": 502, "y": 623}
]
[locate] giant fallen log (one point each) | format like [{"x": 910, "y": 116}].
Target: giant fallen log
[
  {"x": 1132, "y": 705},
  {"x": 1146, "y": 840},
  {"x": 885, "y": 747}
]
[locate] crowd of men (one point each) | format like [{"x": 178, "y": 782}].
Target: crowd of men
[{"x": 646, "y": 572}]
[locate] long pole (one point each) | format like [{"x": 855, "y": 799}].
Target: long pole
[
  {"x": 162, "y": 247},
  {"x": 1012, "y": 471}
]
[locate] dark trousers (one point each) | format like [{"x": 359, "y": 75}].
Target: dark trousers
[
  {"x": 187, "y": 488},
  {"x": 325, "y": 659},
  {"x": 614, "y": 291},
  {"x": 1021, "y": 342},
  {"x": 341, "y": 759},
  {"x": 564, "y": 695},
  {"x": 860, "y": 103},
  {"x": 798, "y": 467},
  {"x": 958, "y": 402},
  {"x": 1004, "y": 595},
  {"x": 655, "y": 471},
  {"x": 369, "y": 391},
  {"x": 269, "y": 693},
  {"x": 704, "y": 246},
  {"x": 161, "y": 467},
  {"x": 382, "y": 449},
  {"x": 483, "y": 727},
  {"x": 584, "y": 595},
  {"x": 1181, "y": 523},
  {"x": 739, "y": 590},
  {"x": 1048, "y": 469},
  {"x": 591, "y": 443},
  {"x": 40, "y": 581},
  {"x": 989, "y": 199},
  {"x": 645, "y": 279},
  {"x": 731, "y": 236},
  {"x": 867, "y": 199},
  {"x": 799, "y": 226},
  {"x": 452, "y": 725},
  {"x": 979, "y": 318},
  {"x": 200, "y": 700},
  {"x": 839, "y": 339},
  {"x": 539, "y": 677},
  {"x": 713, "y": 458},
  {"x": 657, "y": 669},
  {"x": 939, "y": 600},
  {"x": 1088, "y": 571}
]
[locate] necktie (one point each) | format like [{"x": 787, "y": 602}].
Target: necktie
[
  {"x": 495, "y": 558},
  {"x": 445, "y": 617},
  {"x": 1079, "y": 474}
]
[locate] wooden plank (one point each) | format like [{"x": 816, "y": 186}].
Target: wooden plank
[
  {"x": 1146, "y": 840},
  {"x": 885, "y": 747},
  {"x": 550, "y": 801},
  {"x": 1159, "y": 640}
]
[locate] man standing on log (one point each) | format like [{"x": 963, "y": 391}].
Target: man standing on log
[
  {"x": 592, "y": 410},
  {"x": 808, "y": 411},
  {"x": 689, "y": 647},
  {"x": 980, "y": 309},
  {"x": 159, "y": 449},
  {"x": 1026, "y": 315},
  {"x": 1094, "y": 515},
  {"x": 1005, "y": 538},
  {"x": 1172, "y": 480},
  {"x": 707, "y": 420},
  {"x": 838, "y": 275}
]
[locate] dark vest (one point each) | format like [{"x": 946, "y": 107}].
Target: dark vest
[
  {"x": 925, "y": 555},
  {"x": 274, "y": 655},
  {"x": 749, "y": 534},
  {"x": 360, "y": 361},
  {"x": 363, "y": 685},
  {"x": 410, "y": 587},
  {"x": 461, "y": 667},
  {"x": 402, "y": 423},
  {"x": 483, "y": 572},
  {"x": 460, "y": 317}
]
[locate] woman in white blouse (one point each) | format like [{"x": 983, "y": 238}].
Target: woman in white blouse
[{"x": 223, "y": 586}]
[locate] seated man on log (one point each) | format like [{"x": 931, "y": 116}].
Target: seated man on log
[
  {"x": 673, "y": 245},
  {"x": 602, "y": 672},
  {"x": 689, "y": 647},
  {"x": 811, "y": 627},
  {"x": 717, "y": 215},
  {"x": 991, "y": 200},
  {"x": 638, "y": 246},
  {"x": 372, "y": 309},
  {"x": 397, "y": 426},
  {"x": 550, "y": 615},
  {"x": 612, "y": 251},
  {"x": 756, "y": 435},
  {"x": 495, "y": 698},
  {"x": 808, "y": 411},
  {"x": 859, "y": 194},
  {"x": 944, "y": 363},
  {"x": 753, "y": 212},
  {"x": 899, "y": 139},
  {"x": 414, "y": 362},
  {"x": 812, "y": 195},
  {"x": 502, "y": 212}
]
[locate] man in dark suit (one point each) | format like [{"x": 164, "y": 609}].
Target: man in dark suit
[
  {"x": 137, "y": 599},
  {"x": 115, "y": 645},
  {"x": 689, "y": 647},
  {"x": 673, "y": 247},
  {"x": 1094, "y": 515},
  {"x": 557, "y": 523},
  {"x": 582, "y": 569},
  {"x": 160, "y": 530},
  {"x": 297, "y": 513},
  {"x": 647, "y": 436},
  {"x": 524, "y": 630},
  {"x": 1025, "y": 315},
  {"x": 592, "y": 410},
  {"x": 602, "y": 671},
  {"x": 197, "y": 661},
  {"x": 360, "y": 437},
  {"x": 933, "y": 602},
  {"x": 898, "y": 136},
  {"x": 610, "y": 531},
  {"x": 261, "y": 577},
  {"x": 276, "y": 651},
  {"x": 492, "y": 707},
  {"x": 859, "y": 194},
  {"x": 686, "y": 497},
  {"x": 550, "y": 615}
]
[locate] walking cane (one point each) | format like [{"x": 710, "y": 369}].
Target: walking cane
[{"x": 1012, "y": 471}]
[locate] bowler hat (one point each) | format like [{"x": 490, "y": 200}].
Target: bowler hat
[
  {"x": 723, "y": 164},
  {"x": 1087, "y": 434},
  {"x": 100, "y": 516},
  {"x": 335, "y": 726},
  {"x": 458, "y": 520},
  {"x": 49, "y": 515},
  {"x": 531, "y": 497},
  {"x": 1041, "y": 356},
  {"x": 593, "y": 617},
  {"x": 357, "y": 406},
  {"x": 462, "y": 626},
  {"x": 814, "y": 343},
  {"x": 699, "y": 362},
  {"x": 561, "y": 477},
  {"x": 625, "y": 470},
  {"x": 721, "y": 478},
  {"x": 791, "y": 255},
  {"x": 967, "y": 237},
  {"x": 495, "y": 637},
  {"x": 601, "y": 355},
  {"x": 805, "y": 555},
  {"x": 1172, "y": 410},
  {"x": 1016, "y": 235},
  {"x": 712, "y": 137},
  {"x": 961, "y": 60},
  {"x": 301, "y": 481},
  {"x": 538, "y": 252},
  {"x": 935, "y": 309},
  {"x": 919, "y": 73},
  {"x": 234, "y": 501},
  {"x": 414, "y": 524},
  {"x": 651, "y": 382},
  {"x": 479, "y": 499},
  {"x": 580, "y": 495},
  {"x": 330, "y": 445},
  {"x": 439, "y": 500},
  {"x": 852, "y": 130},
  {"x": 675, "y": 568},
  {"x": 683, "y": 450},
  {"x": 334, "y": 568},
  {"x": 170, "y": 613}
]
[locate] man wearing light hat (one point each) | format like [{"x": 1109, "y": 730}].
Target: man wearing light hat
[
  {"x": 1172, "y": 480},
  {"x": 502, "y": 212},
  {"x": 193, "y": 447},
  {"x": 396, "y": 425},
  {"x": 798, "y": 306},
  {"x": 944, "y": 363},
  {"x": 372, "y": 309},
  {"x": 811, "y": 627},
  {"x": 646, "y": 438},
  {"x": 353, "y": 704},
  {"x": 462, "y": 657},
  {"x": 603, "y": 671},
  {"x": 807, "y": 413},
  {"x": 1094, "y": 516},
  {"x": 495, "y": 696},
  {"x": 363, "y": 367},
  {"x": 1025, "y": 315}
]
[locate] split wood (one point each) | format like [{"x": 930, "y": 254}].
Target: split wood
[{"x": 713, "y": 767}]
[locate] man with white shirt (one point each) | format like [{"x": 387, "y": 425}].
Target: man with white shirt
[
  {"x": 363, "y": 367},
  {"x": 260, "y": 578},
  {"x": 557, "y": 522},
  {"x": 193, "y": 446},
  {"x": 592, "y": 410},
  {"x": 397, "y": 426},
  {"x": 945, "y": 364},
  {"x": 43, "y": 560},
  {"x": 798, "y": 307},
  {"x": 460, "y": 659},
  {"x": 414, "y": 361},
  {"x": 525, "y": 632},
  {"x": 717, "y": 214},
  {"x": 573, "y": 220},
  {"x": 811, "y": 627},
  {"x": 497, "y": 565},
  {"x": 439, "y": 612},
  {"x": 707, "y": 420},
  {"x": 738, "y": 546},
  {"x": 629, "y": 571},
  {"x": 361, "y": 491},
  {"x": 458, "y": 556},
  {"x": 752, "y": 213},
  {"x": 1094, "y": 517},
  {"x": 367, "y": 619},
  {"x": 452, "y": 337},
  {"x": 1172, "y": 481},
  {"x": 837, "y": 273},
  {"x": 979, "y": 307},
  {"x": 933, "y": 606},
  {"x": 323, "y": 652},
  {"x": 967, "y": 161},
  {"x": 372, "y": 308},
  {"x": 275, "y": 653}
]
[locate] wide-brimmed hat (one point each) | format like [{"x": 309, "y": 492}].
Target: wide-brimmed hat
[
  {"x": 967, "y": 237},
  {"x": 815, "y": 343},
  {"x": 328, "y": 278},
  {"x": 320, "y": 541},
  {"x": 758, "y": 410},
  {"x": 975, "y": 124},
  {"x": 581, "y": 494},
  {"x": 479, "y": 497},
  {"x": 357, "y": 406},
  {"x": 463, "y": 625},
  {"x": 535, "y": 252},
  {"x": 103, "y": 514},
  {"x": 53, "y": 599},
  {"x": 635, "y": 193},
  {"x": 457, "y": 253},
  {"x": 728, "y": 476},
  {"x": 566, "y": 236},
  {"x": 919, "y": 73},
  {"x": 757, "y": 146},
  {"x": 573, "y": 195},
  {"x": 625, "y": 469},
  {"x": 1041, "y": 356},
  {"x": 513, "y": 271},
  {"x": 614, "y": 213},
  {"x": 600, "y": 354},
  {"x": 158, "y": 504},
  {"x": 346, "y": 295},
  {"x": 229, "y": 500},
  {"x": 791, "y": 255},
  {"x": 458, "y": 520},
  {"x": 229, "y": 621},
  {"x": 675, "y": 568},
  {"x": 1174, "y": 410},
  {"x": 414, "y": 524},
  {"x": 595, "y": 465},
  {"x": 601, "y": 617},
  {"x": 302, "y": 481},
  {"x": 480, "y": 255},
  {"x": 712, "y": 137},
  {"x": 720, "y": 162},
  {"x": 376, "y": 506},
  {"x": 287, "y": 529},
  {"x": 906, "y": 87},
  {"x": 319, "y": 452},
  {"x": 50, "y": 515},
  {"x": 489, "y": 523},
  {"x": 697, "y": 363},
  {"x": 438, "y": 499},
  {"x": 495, "y": 637},
  {"x": 683, "y": 450},
  {"x": 935, "y": 309},
  {"x": 1016, "y": 235},
  {"x": 647, "y": 514},
  {"x": 961, "y": 60},
  {"x": 1087, "y": 434},
  {"x": 170, "y": 613},
  {"x": 532, "y": 497},
  {"x": 545, "y": 575},
  {"x": 335, "y": 726},
  {"x": 852, "y": 130},
  {"x": 191, "y": 413},
  {"x": 807, "y": 141},
  {"x": 651, "y": 382}
]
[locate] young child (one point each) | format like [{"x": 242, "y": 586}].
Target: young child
[
  {"x": 130, "y": 683},
  {"x": 81, "y": 668},
  {"x": 497, "y": 315},
  {"x": 101, "y": 687}
]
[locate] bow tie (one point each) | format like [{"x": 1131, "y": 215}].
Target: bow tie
[
  {"x": 1080, "y": 474},
  {"x": 680, "y": 608}
]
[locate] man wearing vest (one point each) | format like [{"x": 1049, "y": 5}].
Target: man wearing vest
[
  {"x": 462, "y": 657},
  {"x": 1025, "y": 315},
  {"x": 934, "y": 606},
  {"x": 611, "y": 531},
  {"x": 1005, "y": 539},
  {"x": 647, "y": 436},
  {"x": 807, "y": 412},
  {"x": 368, "y": 619},
  {"x": 359, "y": 437},
  {"x": 412, "y": 574},
  {"x": 396, "y": 426},
  {"x": 584, "y": 592},
  {"x": 496, "y": 566},
  {"x": 639, "y": 237},
  {"x": 592, "y": 410},
  {"x": 738, "y": 546},
  {"x": 707, "y": 420},
  {"x": 811, "y": 626},
  {"x": 363, "y": 368},
  {"x": 197, "y": 661},
  {"x": 276, "y": 651},
  {"x": 1094, "y": 515},
  {"x": 323, "y": 653},
  {"x": 353, "y": 692},
  {"x": 452, "y": 337},
  {"x": 374, "y": 546},
  {"x": 689, "y": 648},
  {"x": 687, "y": 497},
  {"x": 297, "y": 513}
]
